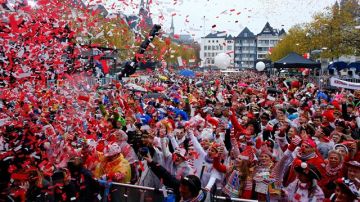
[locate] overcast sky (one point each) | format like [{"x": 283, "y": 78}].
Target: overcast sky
[{"x": 226, "y": 15}]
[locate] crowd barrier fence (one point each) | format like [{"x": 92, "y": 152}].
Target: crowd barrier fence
[{"x": 121, "y": 192}]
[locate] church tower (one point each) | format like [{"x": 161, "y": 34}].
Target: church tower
[{"x": 172, "y": 28}]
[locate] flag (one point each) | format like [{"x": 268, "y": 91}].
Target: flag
[{"x": 105, "y": 66}]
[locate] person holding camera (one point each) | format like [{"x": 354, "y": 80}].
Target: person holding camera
[
  {"x": 187, "y": 189},
  {"x": 146, "y": 176},
  {"x": 176, "y": 162}
]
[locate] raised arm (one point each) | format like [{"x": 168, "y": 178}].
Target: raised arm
[
  {"x": 219, "y": 166},
  {"x": 173, "y": 141},
  {"x": 168, "y": 179},
  {"x": 196, "y": 144},
  {"x": 281, "y": 166},
  {"x": 237, "y": 126}
]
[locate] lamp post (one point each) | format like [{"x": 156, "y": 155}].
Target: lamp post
[{"x": 319, "y": 51}]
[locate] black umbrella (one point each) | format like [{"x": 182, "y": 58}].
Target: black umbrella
[
  {"x": 155, "y": 95},
  {"x": 273, "y": 91}
]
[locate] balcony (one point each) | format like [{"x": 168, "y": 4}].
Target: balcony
[
  {"x": 237, "y": 52},
  {"x": 248, "y": 44},
  {"x": 248, "y": 59},
  {"x": 263, "y": 45},
  {"x": 262, "y": 52},
  {"x": 237, "y": 59}
]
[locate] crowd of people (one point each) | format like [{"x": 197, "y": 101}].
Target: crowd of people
[
  {"x": 240, "y": 135},
  {"x": 243, "y": 135}
]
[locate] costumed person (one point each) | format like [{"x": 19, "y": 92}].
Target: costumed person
[
  {"x": 343, "y": 150},
  {"x": 239, "y": 175},
  {"x": 147, "y": 178},
  {"x": 346, "y": 190},
  {"x": 264, "y": 182},
  {"x": 353, "y": 172},
  {"x": 334, "y": 170},
  {"x": 121, "y": 138},
  {"x": 207, "y": 174},
  {"x": 113, "y": 166},
  {"x": 324, "y": 145},
  {"x": 175, "y": 162},
  {"x": 306, "y": 152},
  {"x": 304, "y": 187}
]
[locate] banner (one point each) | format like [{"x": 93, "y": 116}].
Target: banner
[
  {"x": 344, "y": 84},
  {"x": 180, "y": 61}
]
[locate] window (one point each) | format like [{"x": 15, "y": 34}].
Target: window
[
  {"x": 205, "y": 54},
  {"x": 221, "y": 48},
  {"x": 217, "y": 41},
  {"x": 229, "y": 48},
  {"x": 261, "y": 56},
  {"x": 205, "y": 47},
  {"x": 213, "y": 55},
  {"x": 263, "y": 49},
  {"x": 273, "y": 42},
  {"x": 213, "y": 47},
  {"x": 213, "y": 41},
  {"x": 266, "y": 42},
  {"x": 245, "y": 34},
  {"x": 209, "y": 41},
  {"x": 212, "y": 61}
]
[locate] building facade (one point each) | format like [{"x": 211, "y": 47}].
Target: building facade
[
  {"x": 230, "y": 49},
  {"x": 266, "y": 40},
  {"x": 213, "y": 44},
  {"x": 245, "y": 49}
]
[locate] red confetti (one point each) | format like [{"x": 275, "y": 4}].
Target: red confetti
[
  {"x": 19, "y": 176},
  {"x": 84, "y": 98}
]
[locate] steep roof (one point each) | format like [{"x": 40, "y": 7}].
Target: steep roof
[
  {"x": 217, "y": 35},
  {"x": 282, "y": 32},
  {"x": 249, "y": 33},
  {"x": 229, "y": 37},
  {"x": 268, "y": 30}
]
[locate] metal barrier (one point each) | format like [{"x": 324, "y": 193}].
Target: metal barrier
[
  {"x": 222, "y": 198},
  {"x": 101, "y": 81},
  {"x": 117, "y": 192}
]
